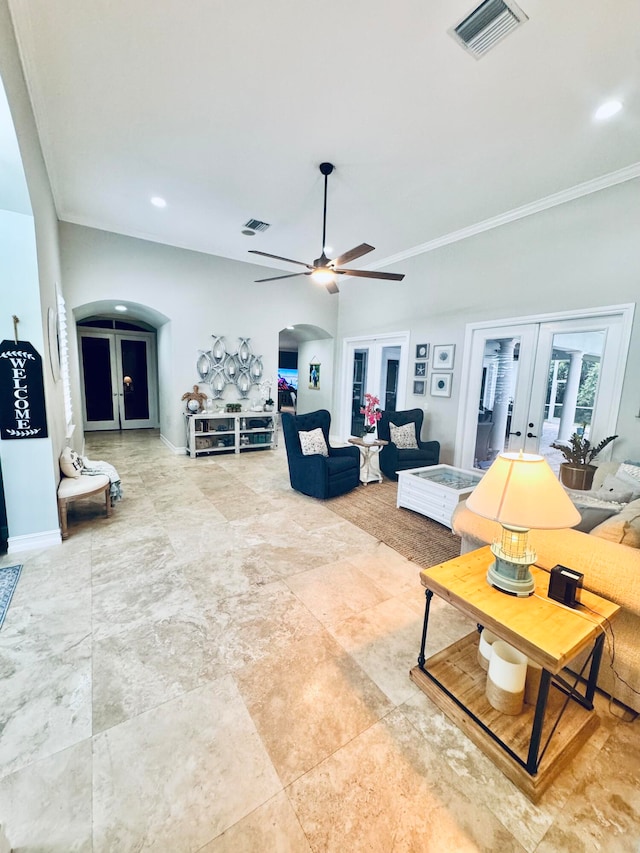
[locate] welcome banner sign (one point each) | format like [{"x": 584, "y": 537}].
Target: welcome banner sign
[{"x": 22, "y": 409}]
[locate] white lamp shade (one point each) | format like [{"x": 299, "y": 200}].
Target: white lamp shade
[{"x": 521, "y": 490}]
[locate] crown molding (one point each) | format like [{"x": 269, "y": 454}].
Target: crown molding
[{"x": 577, "y": 191}]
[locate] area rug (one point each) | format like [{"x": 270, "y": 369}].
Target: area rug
[
  {"x": 373, "y": 509},
  {"x": 9, "y": 577}
]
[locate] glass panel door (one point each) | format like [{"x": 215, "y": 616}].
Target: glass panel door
[
  {"x": 536, "y": 383},
  {"x": 389, "y": 379},
  {"x": 118, "y": 380},
  {"x": 376, "y": 366},
  {"x": 97, "y": 382},
  {"x": 359, "y": 389},
  {"x": 503, "y": 363},
  {"x": 574, "y": 382},
  {"x": 135, "y": 385}
]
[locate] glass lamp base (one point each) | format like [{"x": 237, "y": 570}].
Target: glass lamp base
[{"x": 512, "y": 578}]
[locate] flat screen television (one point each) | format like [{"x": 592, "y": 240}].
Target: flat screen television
[{"x": 289, "y": 376}]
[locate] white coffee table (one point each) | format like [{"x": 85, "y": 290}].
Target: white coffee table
[{"x": 435, "y": 491}]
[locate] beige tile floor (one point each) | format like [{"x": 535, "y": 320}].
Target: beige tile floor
[{"x": 223, "y": 667}]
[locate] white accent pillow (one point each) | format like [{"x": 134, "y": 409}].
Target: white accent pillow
[
  {"x": 404, "y": 437},
  {"x": 582, "y": 499},
  {"x": 615, "y": 489},
  {"x": 629, "y": 475},
  {"x": 313, "y": 442},
  {"x": 70, "y": 463}
]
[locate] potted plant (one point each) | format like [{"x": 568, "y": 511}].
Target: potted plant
[
  {"x": 577, "y": 472},
  {"x": 372, "y": 415}
]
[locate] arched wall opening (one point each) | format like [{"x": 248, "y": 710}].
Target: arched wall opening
[
  {"x": 309, "y": 385},
  {"x": 120, "y": 356}
]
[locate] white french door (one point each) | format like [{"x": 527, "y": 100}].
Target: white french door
[
  {"x": 118, "y": 379},
  {"x": 526, "y": 385},
  {"x": 373, "y": 365}
]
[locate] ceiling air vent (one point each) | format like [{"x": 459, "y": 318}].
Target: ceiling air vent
[
  {"x": 256, "y": 225},
  {"x": 490, "y": 22}
]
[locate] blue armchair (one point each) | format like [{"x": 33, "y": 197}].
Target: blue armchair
[
  {"x": 316, "y": 475},
  {"x": 392, "y": 458}
]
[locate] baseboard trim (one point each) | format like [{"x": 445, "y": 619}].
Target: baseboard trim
[
  {"x": 33, "y": 541},
  {"x": 177, "y": 451},
  {"x": 5, "y": 847}
]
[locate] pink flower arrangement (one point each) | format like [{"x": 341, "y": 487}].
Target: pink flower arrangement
[{"x": 371, "y": 412}]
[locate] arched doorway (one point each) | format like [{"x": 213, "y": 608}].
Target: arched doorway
[
  {"x": 118, "y": 366},
  {"x": 304, "y": 351}
]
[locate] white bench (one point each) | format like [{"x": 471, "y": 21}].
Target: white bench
[{"x": 75, "y": 488}]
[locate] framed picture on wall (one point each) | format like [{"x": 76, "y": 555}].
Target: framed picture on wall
[
  {"x": 420, "y": 370},
  {"x": 422, "y": 350},
  {"x": 419, "y": 387},
  {"x": 314, "y": 376},
  {"x": 441, "y": 384},
  {"x": 443, "y": 356}
]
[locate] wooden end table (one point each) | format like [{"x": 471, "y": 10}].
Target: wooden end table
[
  {"x": 532, "y": 747},
  {"x": 367, "y": 473}
]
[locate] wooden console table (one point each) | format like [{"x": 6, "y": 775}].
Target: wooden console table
[{"x": 534, "y": 746}]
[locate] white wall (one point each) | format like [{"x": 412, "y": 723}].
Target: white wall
[
  {"x": 200, "y": 294},
  {"x": 29, "y": 485},
  {"x": 319, "y": 352},
  {"x": 582, "y": 254},
  {"x": 30, "y": 270}
]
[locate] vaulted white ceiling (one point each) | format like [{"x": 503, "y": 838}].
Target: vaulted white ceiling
[{"x": 225, "y": 108}]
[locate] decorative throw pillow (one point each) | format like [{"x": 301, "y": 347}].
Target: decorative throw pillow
[
  {"x": 623, "y": 528},
  {"x": 594, "y": 508},
  {"x": 404, "y": 437},
  {"x": 313, "y": 442},
  {"x": 630, "y": 476},
  {"x": 592, "y": 516},
  {"x": 70, "y": 463},
  {"x": 615, "y": 489}
]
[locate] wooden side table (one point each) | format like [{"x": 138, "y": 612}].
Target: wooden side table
[
  {"x": 532, "y": 747},
  {"x": 367, "y": 453}
]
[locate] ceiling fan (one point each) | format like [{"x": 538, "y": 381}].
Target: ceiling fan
[{"x": 324, "y": 270}]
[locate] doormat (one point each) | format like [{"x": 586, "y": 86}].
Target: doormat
[{"x": 9, "y": 577}]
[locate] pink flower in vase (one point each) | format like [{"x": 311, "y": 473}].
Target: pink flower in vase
[{"x": 371, "y": 412}]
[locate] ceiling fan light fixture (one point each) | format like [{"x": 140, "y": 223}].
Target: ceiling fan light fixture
[
  {"x": 607, "y": 110},
  {"x": 323, "y": 276}
]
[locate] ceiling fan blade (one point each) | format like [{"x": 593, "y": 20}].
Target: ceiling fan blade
[
  {"x": 279, "y": 258},
  {"x": 276, "y": 277},
  {"x": 332, "y": 287},
  {"x": 389, "y": 276},
  {"x": 352, "y": 254}
]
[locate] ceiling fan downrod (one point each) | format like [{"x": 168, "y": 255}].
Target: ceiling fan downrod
[{"x": 326, "y": 169}]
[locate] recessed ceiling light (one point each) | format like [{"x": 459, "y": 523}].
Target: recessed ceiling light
[
  {"x": 248, "y": 232},
  {"x": 607, "y": 110},
  {"x": 121, "y": 307},
  {"x": 157, "y": 201}
]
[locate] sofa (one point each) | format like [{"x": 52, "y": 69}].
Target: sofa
[{"x": 611, "y": 568}]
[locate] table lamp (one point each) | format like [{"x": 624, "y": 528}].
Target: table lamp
[{"x": 521, "y": 492}]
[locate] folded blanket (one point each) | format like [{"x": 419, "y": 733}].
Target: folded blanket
[{"x": 92, "y": 468}]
